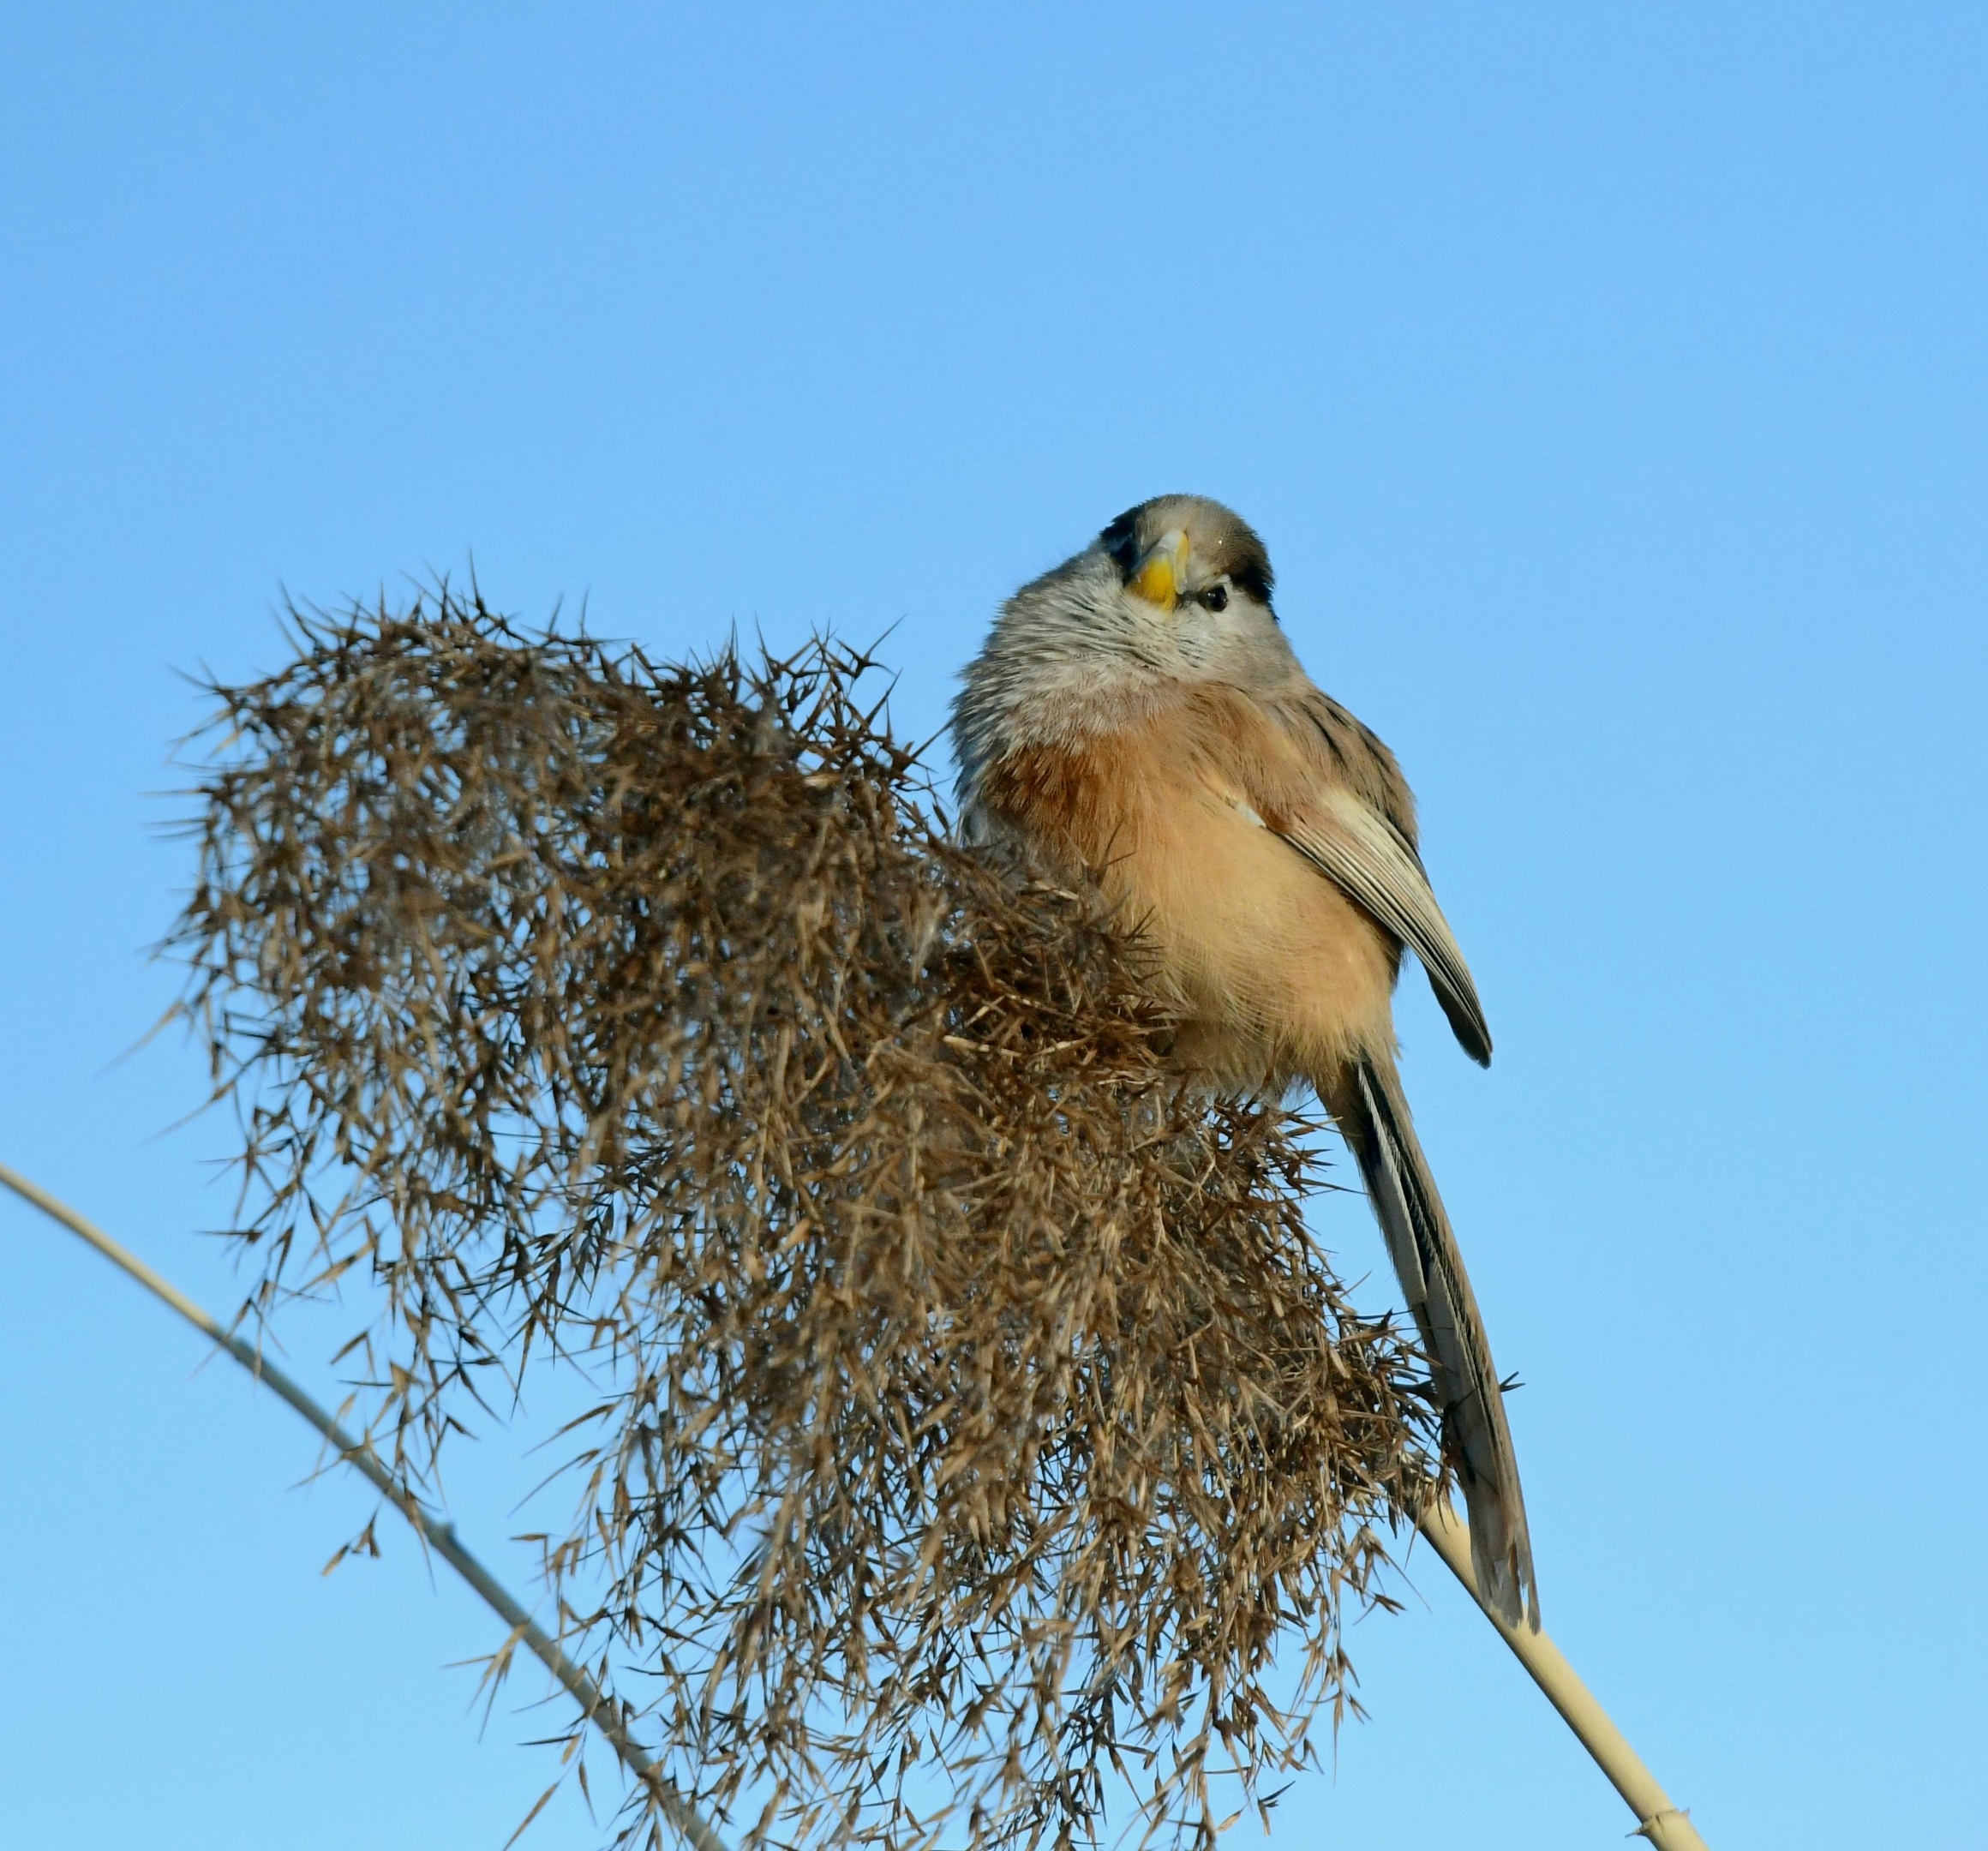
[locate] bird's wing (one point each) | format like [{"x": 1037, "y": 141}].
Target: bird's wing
[{"x": 1357, "y": 849}]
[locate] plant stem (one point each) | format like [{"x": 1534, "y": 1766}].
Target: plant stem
[
  {"x": 1665, "y": 1826},
  {"x": 436, "y": 1530}
]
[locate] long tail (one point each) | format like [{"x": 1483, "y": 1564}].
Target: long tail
[{"x": 1366, "y": 1099}]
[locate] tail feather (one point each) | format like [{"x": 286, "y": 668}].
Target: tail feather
[{"x": 1371, "y": 1112}]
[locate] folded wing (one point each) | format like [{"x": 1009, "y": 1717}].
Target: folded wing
[{"x": 1360, "y": 852}]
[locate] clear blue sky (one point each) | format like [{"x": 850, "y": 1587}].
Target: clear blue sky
[{"x": 1611, "y": 384}]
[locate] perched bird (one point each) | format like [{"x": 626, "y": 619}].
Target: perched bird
[{"x": 1137, "y": 715}]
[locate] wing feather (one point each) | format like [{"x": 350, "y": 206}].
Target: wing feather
[{"x": 1358, "y": 850}]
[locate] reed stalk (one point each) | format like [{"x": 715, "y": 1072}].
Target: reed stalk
[
  {"x": 1665, "y": 1826},
  {"x": 437, "y": 1532}
]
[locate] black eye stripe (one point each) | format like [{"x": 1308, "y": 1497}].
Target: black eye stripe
[
  {"x": 1252, "y": 575},
  {"x": 1121, "y": 541}
]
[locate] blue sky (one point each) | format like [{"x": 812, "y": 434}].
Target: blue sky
[{"x": 1611, "y": 385}]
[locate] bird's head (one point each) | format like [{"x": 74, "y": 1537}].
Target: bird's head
[
  {"x": 1183, "y": 560},
  {"x": 1175, "y": 590},
  {"x": 1179, "y": 587}
]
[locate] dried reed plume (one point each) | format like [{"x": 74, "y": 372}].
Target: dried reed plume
[{"x": 971, "y": 1416}]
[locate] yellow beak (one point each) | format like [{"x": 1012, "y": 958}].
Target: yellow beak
[{"x": 1157, "y": 576}]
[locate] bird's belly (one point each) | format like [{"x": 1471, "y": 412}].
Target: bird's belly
[
  {"x": 1275, "y": 973},
  {"x": 1273, "y": 968}
]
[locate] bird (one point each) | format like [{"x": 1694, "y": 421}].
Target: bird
[{"x": 1138, "y": 717}]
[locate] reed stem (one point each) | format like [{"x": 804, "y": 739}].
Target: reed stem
[
  {"x": 1665, "y": 1825},
  {"x": 436, "y": 1532}
]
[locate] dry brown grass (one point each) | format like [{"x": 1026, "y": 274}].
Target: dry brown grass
[{"x": 973, "y": 1414}]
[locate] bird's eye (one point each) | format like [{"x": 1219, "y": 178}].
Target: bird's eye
[{"x": 1216, "y": 597}]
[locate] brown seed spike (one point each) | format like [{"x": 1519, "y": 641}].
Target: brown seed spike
[{"x": 980, "y": 1417}]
